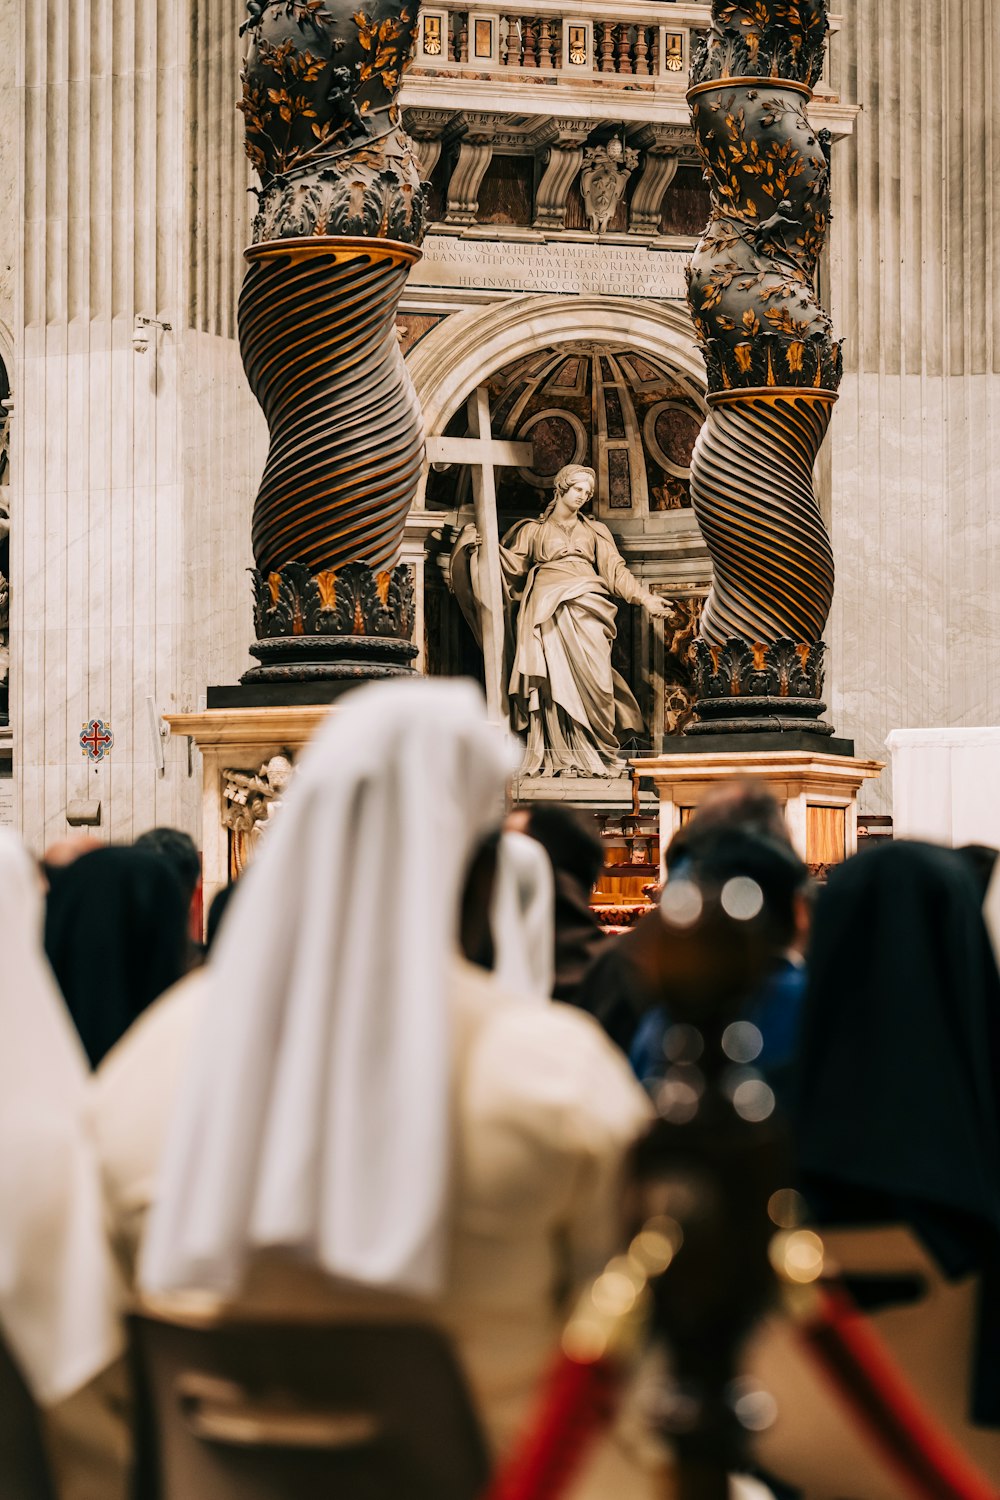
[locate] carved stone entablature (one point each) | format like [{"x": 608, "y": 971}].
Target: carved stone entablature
[
  {"x": 484, "y": 127},
  {"x": 427, "y": 129},
  {"x": 557, "y": 131},
  {"x": 428, "y": 124},
  {"x": 526, "y": 135}
]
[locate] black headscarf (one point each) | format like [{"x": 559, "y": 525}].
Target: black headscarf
[
  {"x": 899, "y": 1099},
  {"x": 116, "y": 936},
  {"x": 571, "y": 841}
]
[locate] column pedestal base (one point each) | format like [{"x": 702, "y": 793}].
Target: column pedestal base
[
  {"x": 818, "y": 791},
  {"x": 241, "y": 739}
]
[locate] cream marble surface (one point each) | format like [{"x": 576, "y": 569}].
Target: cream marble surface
[
  {"x": 134, "y": 473},
  {"x": 915, "y": 489}
]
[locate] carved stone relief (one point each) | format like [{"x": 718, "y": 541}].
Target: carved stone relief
[
  {"x": 606, "y": 170},
  {"x": 249, "y": 802}
]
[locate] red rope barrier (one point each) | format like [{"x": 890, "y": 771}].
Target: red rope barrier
[
  {"x": 924, "y": 1456},
  {"x": 577, "y": 1404}
]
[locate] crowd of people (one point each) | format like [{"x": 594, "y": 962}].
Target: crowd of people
[{"x": 406, "y": 1073}]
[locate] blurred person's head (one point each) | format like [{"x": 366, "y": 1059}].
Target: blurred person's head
[
  {"x": 719, "y": 853},
  {"x": 568, "y": 837},
  {"x": 181, "y": 853},
  {"x": 747, "y": 807},
  {"x": 116, "y": 936},
  {"x": 319, "y": 1116},
  {"x": 739, "y": 804},
  {"x": 64, "y": 851}
]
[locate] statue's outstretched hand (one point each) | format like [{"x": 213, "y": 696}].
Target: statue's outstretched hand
[{"x": 660, "y": 609}]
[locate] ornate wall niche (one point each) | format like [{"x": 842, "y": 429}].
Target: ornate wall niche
[{"x": 633, "y": 416}]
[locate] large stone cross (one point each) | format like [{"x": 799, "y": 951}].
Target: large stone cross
[{"x": 483, "y": 453}]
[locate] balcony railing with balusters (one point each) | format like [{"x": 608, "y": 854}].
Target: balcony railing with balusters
[{"x": 566, "y": 43}]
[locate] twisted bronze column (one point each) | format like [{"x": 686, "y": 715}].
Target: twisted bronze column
[
  {"x": 340, "y": 217},
  {"x": 773, "y": 366}
]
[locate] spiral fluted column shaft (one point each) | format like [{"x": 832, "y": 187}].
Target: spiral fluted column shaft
[
  {"x": 772, "y": 365},
  {"x": 316, "y": 332},
  {"x": 752, "y": 492}
]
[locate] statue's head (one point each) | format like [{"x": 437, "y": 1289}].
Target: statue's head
[
  {"x": 571, "y": 480},
  {"x": 279, "y": 772}
]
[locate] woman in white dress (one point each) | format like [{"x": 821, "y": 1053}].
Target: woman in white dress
[{"x": 563, "y": 691}]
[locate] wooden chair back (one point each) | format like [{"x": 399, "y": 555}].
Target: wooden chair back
[
  {"x": 24, "y": 1469},
  {"x": 266, "y": 1410}
]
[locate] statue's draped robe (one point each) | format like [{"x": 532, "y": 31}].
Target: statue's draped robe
[{"x": 562, "y": 687}]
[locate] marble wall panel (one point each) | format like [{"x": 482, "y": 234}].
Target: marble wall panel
[
  {"x": 10, "y": 175},
  {"x": 98, "y": 503},
  {"x": 914, "y": 267}
]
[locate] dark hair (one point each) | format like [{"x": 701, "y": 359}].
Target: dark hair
[
  {"x": 569, "y": 838},
  {"x": 714, "y": 855},
  {"x": 179, "y": 849},
  {"x": 116, "y": 937},
  {"x": 475, "y": 932},
  {"x": 216, "y": 912}
]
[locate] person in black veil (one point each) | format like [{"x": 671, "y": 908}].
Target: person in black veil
[
  {"x": 573, "y": 845},
  {"x": 898, "y": 1107},
  {"x": 116, "y": 937}
]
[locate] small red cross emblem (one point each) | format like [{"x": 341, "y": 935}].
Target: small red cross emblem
[{"x": 96, "y": 739}]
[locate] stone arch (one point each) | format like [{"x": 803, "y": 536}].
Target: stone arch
[{"x": 468, "y": 347}]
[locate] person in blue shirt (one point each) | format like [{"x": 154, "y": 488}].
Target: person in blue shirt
[
  {"x": 775, "y": 1007},
  {"x": 616, "y": 992}
]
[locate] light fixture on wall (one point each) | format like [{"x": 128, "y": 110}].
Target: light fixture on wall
[{"x": 141, "y": 331}]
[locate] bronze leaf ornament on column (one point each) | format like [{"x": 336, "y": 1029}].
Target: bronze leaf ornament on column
[
  {"x": 340, "y": 215},
  {"x": 773, "y": 366}
]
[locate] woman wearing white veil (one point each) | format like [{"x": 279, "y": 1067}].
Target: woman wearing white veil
[
  {"x": 59, "y": 1294},
  {"x": 369, "y": 1115}
]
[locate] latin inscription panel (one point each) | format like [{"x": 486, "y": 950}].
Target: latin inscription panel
[{"x": 554, "y": 266}]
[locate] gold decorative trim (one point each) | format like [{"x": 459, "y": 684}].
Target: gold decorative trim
[
  {"x": 340, "y": 247},
  {"x": 770, "y": 393},
  {"x": 749, "y": 80}
]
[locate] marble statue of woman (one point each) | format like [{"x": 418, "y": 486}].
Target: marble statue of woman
[{"x": 564, "y": 574}]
